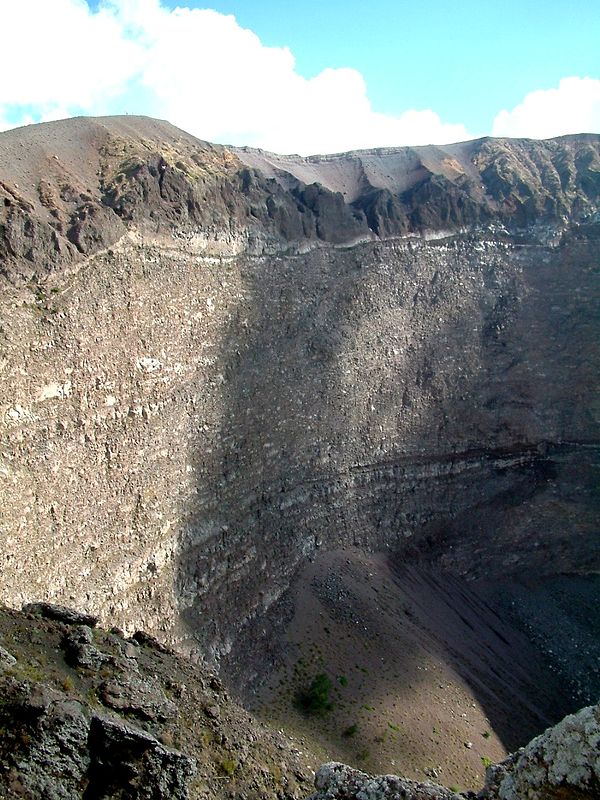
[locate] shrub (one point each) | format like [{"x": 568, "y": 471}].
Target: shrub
[
  {"x": 315, "y": 699},
  {"x": 228, "y": 766}
]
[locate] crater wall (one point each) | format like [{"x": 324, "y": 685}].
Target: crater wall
[{"x": 248, "y": 368}]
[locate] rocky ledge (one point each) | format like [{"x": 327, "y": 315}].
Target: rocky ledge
[
  {"x": 86, "y": 713},
  {"x": 561, "y": 764}
]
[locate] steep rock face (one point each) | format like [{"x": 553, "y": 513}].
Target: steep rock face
[{"x": 216, "y": 360}]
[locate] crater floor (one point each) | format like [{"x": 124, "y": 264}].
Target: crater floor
[{"x": 432, "y": 676}]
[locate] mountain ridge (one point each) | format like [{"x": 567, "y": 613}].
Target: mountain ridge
[{"x": 74, "y": 187}]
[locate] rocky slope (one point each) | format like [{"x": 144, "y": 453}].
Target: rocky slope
[
  {"x": 217, "y": 361},
  {"x": 87, "y": 713}
]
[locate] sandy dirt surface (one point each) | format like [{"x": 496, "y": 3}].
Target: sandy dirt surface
[{"x": 427, "y": 680}]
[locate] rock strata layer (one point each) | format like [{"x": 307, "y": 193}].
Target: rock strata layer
[{"x": 216, "y": 360}]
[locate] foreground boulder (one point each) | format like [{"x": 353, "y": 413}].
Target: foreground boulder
[
  {"x": 339, "y": 782},
  {"x": 563, "y": 763},
  {"x": 87, "y": 714},
  {"x": 56, "y": 749}
]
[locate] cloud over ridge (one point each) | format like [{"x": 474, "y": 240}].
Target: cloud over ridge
[
  {"x": 202, "y": 71},
  {"x": 572, "y": 107}
]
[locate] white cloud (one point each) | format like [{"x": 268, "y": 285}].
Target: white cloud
[
  {"x": 198, "y": 68},
  {"x": 572, "y": 107},
  {"x": 62, "y": 56},
  {"x": 205, "y": 73}
]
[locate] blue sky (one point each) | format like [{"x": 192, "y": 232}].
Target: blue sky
[
  {"x": 465, "y": 59},
  {"x": 313, "y": 75}
]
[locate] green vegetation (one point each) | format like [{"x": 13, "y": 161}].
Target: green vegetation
[
  {"x": 350, "y": 731},
  {"x": 228, "y": 766},
  {"x": 343, "y": 680},
  {"x": 487, "y": 762},
  {"x": 315, "y": 699}
]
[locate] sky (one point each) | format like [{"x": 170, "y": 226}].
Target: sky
[{"x": 309, "y": 77}]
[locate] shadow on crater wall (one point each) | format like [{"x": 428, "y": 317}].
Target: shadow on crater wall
[{"x": 432, "y": 400}]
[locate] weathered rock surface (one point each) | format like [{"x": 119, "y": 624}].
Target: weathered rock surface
[
  {"x": 216, "y": 360},
  {"x": 140, "y": 698},
  {"x": 561, "y": 764},
  {"x": 61, "y": 614},
  {"x": 107, "y": 729},
  {"x": 54, "y": 748},
  {"x": 80, "y": 650},
  {"x": 564, "y": 762},
  {"x": 339, "y": 782}
]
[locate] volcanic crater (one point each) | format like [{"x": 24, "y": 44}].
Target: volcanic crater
[{"x": 295, "y": 417}]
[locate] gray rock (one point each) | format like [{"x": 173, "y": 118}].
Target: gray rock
[
  {"x": 123, "y": 756},
  {"x": 212, "y": 711},
  {"x": 564, "y": 762},
  {"x": 45, "y": 754},
  {"x": 144, "y": 698},
  {"x": 80, "y": 650},
  {"x": 61, "y": 614},
  {"x": 53, "y": 750},
  {"x": 6, "y": 659},
  {"x": 338, "y": 782}
]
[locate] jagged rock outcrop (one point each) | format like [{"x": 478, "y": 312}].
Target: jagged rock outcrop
[
  {"x": 561, "y": 764},
  {"x": 135, "y": 721},
  {"x": 54, "y": 749},
  {"x": 339, "y": 782},
  {"x": 215, "y": 360},
  {"x": 564, "y": 762}
]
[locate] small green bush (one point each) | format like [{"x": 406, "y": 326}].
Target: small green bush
[
  {"x": 315, "y": 699},
  {"x": 228, "y": 766}
]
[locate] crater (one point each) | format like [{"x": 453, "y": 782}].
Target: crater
[{"x": 332, "y": 418}]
